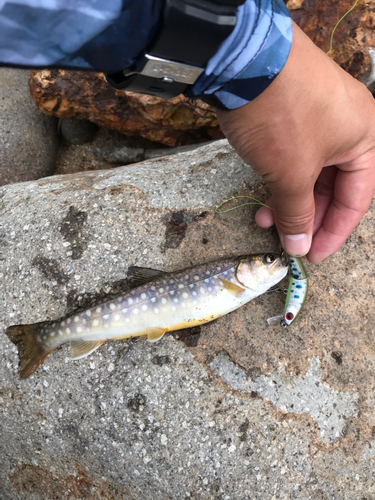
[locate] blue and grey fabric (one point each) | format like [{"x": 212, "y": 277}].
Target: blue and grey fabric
[{"x": 109, "y": 35}]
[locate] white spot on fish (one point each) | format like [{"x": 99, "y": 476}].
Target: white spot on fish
[
  {"x": 192, "y": 285},
  {"x": 88, "y": 313},
  {"x": 135, "y": 311},
  {"x": 209, "y": 289},
  {"x": 163, "y": 300},
  {"x": 52, "y": 334},
  {"x": 76, "y": 319},
  {"x": 153, "y": 288},
  {"x": 219, "y": 268},
  {"x": 173, "y": 308},
  {"x": 156, "y": 310},
  {"x": 172, "y": 292},
  {"x": 202, "y": 290},
  {"x": 185, "y": 295},
  {"x": 153, "y": 299},
  {"x": 99, "y": 310},
  {"x": 83, "y": 321},
  {"x": 196, "y": 277},
  {"x": 194, "y": 293},
  {"x": 161, "y": 290},
  {"x": 68, "y": 321},
  {"x": 144, "y": 307},
  {"x": 95, "y": 322},
  {"x": 130, "y": 301},
  {"x": 183, "y": 304},
  {"x": 60, "y": 332},
  {"x": 180, "y": 286},
  {"x": 117, "y": 317},
  {"x": 187, "y": 277},
  {"x": 67, "y": 330},
  {"x": 112, "y": 306},
  {"x": 79, "y": 329},
  {"x": 143, "y": 296},
  {"x": 106, "y": 316},
  {"x": 175, "y": 300},
  {"x": 62, "y": 323},
  {"x": 208, "y": 272}
]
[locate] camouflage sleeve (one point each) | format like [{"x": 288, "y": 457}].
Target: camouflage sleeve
[
  {"x": 109, "y": 35},
  {"x": 250, "y": 58}
]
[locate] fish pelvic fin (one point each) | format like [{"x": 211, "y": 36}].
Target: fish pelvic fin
[
  {"x": 31, "y": 350},
  {"x": 155, "y": 334}
]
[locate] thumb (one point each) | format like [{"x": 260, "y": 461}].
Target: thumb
[{"x": 294, "y": 211}]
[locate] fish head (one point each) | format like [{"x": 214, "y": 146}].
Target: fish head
[{"x": 261, "y": 270}]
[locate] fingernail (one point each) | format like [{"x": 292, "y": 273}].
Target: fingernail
[{"x": 297, "y": 244}]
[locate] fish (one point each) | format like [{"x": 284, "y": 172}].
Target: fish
[
  {"x": 156, "y": 302},
  {"x": 296, "y": 294}
]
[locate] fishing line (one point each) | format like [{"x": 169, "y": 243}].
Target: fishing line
[
  {"x": 257, "y": 202},
  {"x": 338, "y": 22}
]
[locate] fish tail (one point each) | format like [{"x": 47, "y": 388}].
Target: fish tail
[{"x": 31, "y": 350}]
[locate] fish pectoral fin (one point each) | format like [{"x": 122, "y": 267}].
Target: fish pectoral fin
[
  {"x": 232, "y": 288},
  {"x": 154, "y": 334},
  {"x": 82, "y": 348},
  {"x": 138, "y": 276}
]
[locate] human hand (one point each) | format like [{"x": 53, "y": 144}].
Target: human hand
[{"x": 311, "y": 136}]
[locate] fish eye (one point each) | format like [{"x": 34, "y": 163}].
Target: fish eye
[
  {"x": 289, "y": 316},
  {"x": 269, "y": 258}
]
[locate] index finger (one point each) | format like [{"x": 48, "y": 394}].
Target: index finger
[{"x": 352, "y": 197}]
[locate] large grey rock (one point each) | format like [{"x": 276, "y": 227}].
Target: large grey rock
[
  {"x": 28, "y": 138},
  {"x": 234, "y": 410}
]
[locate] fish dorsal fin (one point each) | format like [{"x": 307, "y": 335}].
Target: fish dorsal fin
[
  {"x": 82, "y": 348},
  {"x": 232, "y": 288},
  {"x": 138, "y": 276}
]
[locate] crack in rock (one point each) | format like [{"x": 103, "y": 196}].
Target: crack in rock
[{"x": 307, "y": 394}]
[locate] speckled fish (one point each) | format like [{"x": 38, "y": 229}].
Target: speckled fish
[
  {"x": 160, "y": 302},
  {"x": 296, "y": 295}
]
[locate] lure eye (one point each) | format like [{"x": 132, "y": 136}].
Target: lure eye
[
  {"x": 289, "y": 316},
  {"x": 269, "y": 258}
]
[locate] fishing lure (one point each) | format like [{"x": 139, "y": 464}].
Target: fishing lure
[{"x": 296, "y": 294}]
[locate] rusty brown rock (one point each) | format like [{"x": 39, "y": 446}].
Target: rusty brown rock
[
  {"x": 353, "y": 36},
  {"x": 86, "y": 95}
]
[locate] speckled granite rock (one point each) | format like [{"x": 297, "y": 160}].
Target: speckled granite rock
[
  {"x": 28, "y": 138},
  {"x": 234, "y": 410}
]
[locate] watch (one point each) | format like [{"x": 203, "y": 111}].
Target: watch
[{"x": 191, "y": 31}]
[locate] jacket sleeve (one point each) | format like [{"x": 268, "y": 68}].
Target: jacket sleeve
[
  {"x": 109, "y": 35},
  {"x": 250, "y": 58}
]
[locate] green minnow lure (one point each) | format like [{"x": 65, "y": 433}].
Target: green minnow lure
[
  {"x": 296, "y": 295},
  {"x": 158, "y": 303}
]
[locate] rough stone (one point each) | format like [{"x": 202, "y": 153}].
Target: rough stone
[
  {"x": 87, "y": 95},
  {"x": 234, "y": 409},
  {"x": 28, "y": 138},
  {"x": 353, "y": 37},
  {"x": 77, "y": 131}
]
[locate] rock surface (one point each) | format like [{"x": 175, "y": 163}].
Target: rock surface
[
  {"x": 353, "y": 36},
  {"x": 86, "y": 95},
  {"x": 28, "y": 138},
  {"x": 234, "y": 410}
]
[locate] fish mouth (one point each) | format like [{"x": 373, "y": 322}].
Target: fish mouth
[{"x": 284, "y": 257}]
